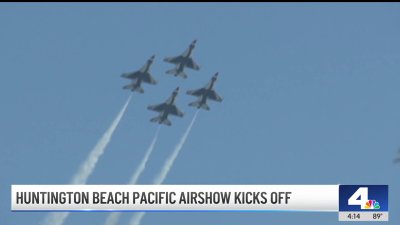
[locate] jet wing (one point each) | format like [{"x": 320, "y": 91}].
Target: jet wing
[
  {"x": 132, "y": 75},
  {"x": 192, "y": 65},
  {"x": 175, "y": 111},
  {"x": 174, "y": 60},
  {"x": 198, "y": 92},
  {"x": 143, "y": 68},
  {"x": 149, "y": 79},
  {"x": 158, "y": 108},
  {"x": 214, "y": 96}
]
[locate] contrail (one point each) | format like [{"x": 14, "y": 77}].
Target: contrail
[
  {"x": 90, "y": 163},
  {"x": 87, "y": 168},
  {"x": 114, "y": 217},
  {"x": 137, "y": 218}
]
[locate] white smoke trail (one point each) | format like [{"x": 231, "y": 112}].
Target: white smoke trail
[
  {"x": 170, "y": 161},
  {"x": 143, "y": 163},
  {"x": 114, "y": 217},
  {"x": 87, "y": 168},
  {"x": 90, "y": 163},
  {"x": 137, "y": 218}
]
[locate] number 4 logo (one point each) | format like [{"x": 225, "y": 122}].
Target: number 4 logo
[{"x": 360, "y": 197}]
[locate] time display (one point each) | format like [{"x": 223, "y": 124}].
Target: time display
[{"x": 354, "y": 216}]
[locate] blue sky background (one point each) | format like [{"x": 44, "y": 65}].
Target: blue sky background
[{"x": 311, "y": 96}]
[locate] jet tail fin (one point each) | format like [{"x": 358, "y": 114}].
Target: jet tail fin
[
  {"x": 198, "y": 105},
  {"x": 155, "y": 119},
  {"x": 167, "y": 122},
  {"x": 139, "y": 89},
  {"x": 133, "y": 88},
  {"x": 176, "y": 73},
  {"x": 158, "y": 120}
]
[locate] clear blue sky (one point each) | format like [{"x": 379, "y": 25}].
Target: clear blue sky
[{"x": 311, "y": 96}]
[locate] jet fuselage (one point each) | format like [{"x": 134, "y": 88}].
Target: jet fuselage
[
  {"x": 148, "y": 64},
  {"x": 203, "y": 99},
  {"x": 165, "y": 113}
]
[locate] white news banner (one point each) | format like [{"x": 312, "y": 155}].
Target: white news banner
[{"x": 321, "y": 198}]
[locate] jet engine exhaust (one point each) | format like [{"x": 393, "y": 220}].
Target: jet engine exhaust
[
  {"x": 88, "y": 166},
  {"x": 137, "y": 218},
  {"x": 114, "y": 217}
]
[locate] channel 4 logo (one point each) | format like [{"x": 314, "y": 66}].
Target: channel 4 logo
[{"x": 363, "y": 198}]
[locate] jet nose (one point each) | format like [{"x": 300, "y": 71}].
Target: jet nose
[
  {"x": 152, "y": 57},
  {"x": 175, "y": 93},
  {"x": 193, "y": 44},
  {"x": 214, "y": 78}
]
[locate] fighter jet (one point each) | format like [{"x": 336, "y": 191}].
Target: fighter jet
[
  {"x": 205, "y": 93},
  {"x": 182, "y": 61},
  {"x": 166, "y": 108},
  {"x": 137, "y": 77}
]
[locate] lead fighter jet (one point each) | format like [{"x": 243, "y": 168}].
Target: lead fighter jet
[
  {"x": 142, "y": 75},
  {"x": 182, "y": 61},
  {"x": 205, "y": 93},
  {"x": 166, "y": 108}
]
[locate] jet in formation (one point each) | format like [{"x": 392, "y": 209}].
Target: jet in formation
[
  {"x": 137, "y": 77},
  {"x": 166, "y": 108},
  {"x": 205, "y": 93},
  {"x": 182, "y": 61}
]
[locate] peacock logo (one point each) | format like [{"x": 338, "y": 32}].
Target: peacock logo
[{"x": 372, "y": 204}]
